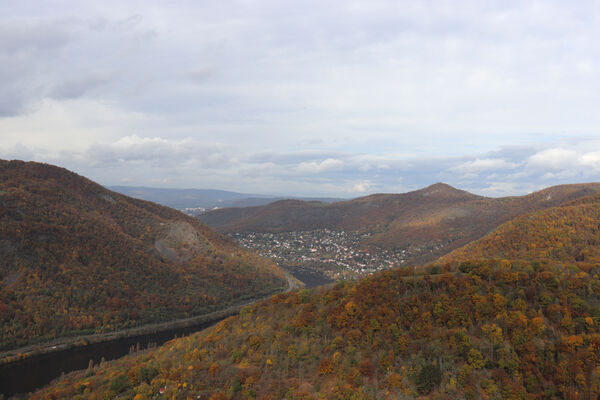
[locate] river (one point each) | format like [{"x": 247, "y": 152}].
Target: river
[
  {"x": 32, "y": 373},
  {"x": 310, "y": 277}
]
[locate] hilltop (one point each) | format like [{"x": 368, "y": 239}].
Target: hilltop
[
  {"x": 566, "y": 234},
  {"x": 78, "y": 258},
  {"x": 428, "y": 223}
]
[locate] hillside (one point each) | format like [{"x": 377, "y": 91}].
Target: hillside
[
  {"x": 428, "y": 223},
  {"x": 494, "y": 330},
  {"x": 568, "y": 233},
  {"x": 77, "y": 258}
]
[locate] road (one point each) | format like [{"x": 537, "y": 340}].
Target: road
[{"x": 59, "y": 344}]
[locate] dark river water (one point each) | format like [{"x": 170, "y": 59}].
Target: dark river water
[
  {"x": 310, "y": 277},
  {"x": 34, "y": 372}
]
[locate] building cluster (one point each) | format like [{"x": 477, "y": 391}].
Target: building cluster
[
  {"x": 193, "y": 211},
  {"x": 338, "y": 254}
]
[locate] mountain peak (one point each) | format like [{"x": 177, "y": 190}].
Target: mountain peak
[{"x": 441, "y": 189}]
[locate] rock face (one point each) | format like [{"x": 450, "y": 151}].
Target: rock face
[{"x": 181, "y": 242}]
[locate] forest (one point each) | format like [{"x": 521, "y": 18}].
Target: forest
[
  {"x": 80, "y": 259},
  {"x": 475, "y": 330},
  {"x": 569, "y": 233},
  {"x": 513, "y": 316}
]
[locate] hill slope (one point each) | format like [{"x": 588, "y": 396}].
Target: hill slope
[
  {"x": 569, "y": 233},
  {"x": 429, "y": 222},
  {"x": 78, "y": 258},
  {"x": 496, "y": 331}
]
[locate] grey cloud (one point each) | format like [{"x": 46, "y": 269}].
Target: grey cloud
[
  {"x": 398, "y": 94},
  {"x": 78, "y": 86},
  {"x": 190, "y": 163},
  {"x": 25, "y": 48},
  {"x": 17, "y": 152},
  {"x": 22, "y": 35},
  {"x": 199, "y": 75},
  {"x": 158, "y": 151}
]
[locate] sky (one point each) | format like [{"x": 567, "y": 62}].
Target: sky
[{"x": 305, "y": 98}]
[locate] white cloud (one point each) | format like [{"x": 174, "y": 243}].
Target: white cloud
[
  {"x": 361, "y": 187},
  {"x": 484, "y": 164},
  {"x": 590, "y": 160},
  {"x": 555, "y": 158},
  {"x": 315, "y": 167}
]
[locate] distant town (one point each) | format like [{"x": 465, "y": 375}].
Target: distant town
[
  {"x": 194, "y": 211},
  {"x": 337, "y": 254}
]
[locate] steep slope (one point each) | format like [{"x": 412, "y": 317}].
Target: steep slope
[
  {"x": 494, "y": 331},
  {"x": 569, "y": 233},
  {"x": 77, "y": 258},
  {"x": 429, "y": 222}
]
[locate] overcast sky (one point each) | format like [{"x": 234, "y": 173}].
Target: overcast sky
[{"x": 314, "y": 98}]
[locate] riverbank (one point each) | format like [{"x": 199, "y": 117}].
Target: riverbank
[
  {"x": 28, "y": 368},
  {"x": 65, "y": 343}
]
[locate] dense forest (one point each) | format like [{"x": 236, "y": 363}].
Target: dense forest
[
  {"x": 476, "y": 330},
  {"x": 77, "y": 258}
]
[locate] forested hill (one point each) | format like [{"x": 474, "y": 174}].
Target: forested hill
[
  {"x": 569, "y": 233},
  {"x": 526, "y": 328},
  {"x": 429, "y": 222},
  {"x": 491, "y": 330},
  {"x": 78, "y": 258}
]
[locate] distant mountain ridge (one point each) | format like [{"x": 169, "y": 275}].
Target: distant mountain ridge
[
  {"x": 78, "y": 258},
  {"x": 202, "y": 198},
  {"x": 431, "y": 221}
]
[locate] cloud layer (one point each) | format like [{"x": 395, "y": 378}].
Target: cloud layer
[
  {"x": 189, "y": 163},
  {"x": 305, "y": 98}
]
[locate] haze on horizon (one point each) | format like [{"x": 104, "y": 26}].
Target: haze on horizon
[{"x": 305, "y": 98}]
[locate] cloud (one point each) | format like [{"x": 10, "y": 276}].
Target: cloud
[
  {"x": 315, "y": 167},
  {"x": 199, "y": 75},
  {"x": 160, "y": 151},
  {"x": 18, "y": 36},
  {"x": 187, "y": 162},
  {"x": 76, "y": 87},
  {"x": 554, "y": 159},
  {"x": 484, "y": 164},
  {"x": 26, "y": 50},
  {"x": 361, "y": 187},
  {"x": 590, "y": 160},
  {"x": 306, "y": 97}
]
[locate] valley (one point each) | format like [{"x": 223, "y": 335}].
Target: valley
[
  {"x": 27, "y": 369},
  {"x": 417, "y": 227},
  {"x": 337, "y": 254},
  {"x": 503, "y": 300}
]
